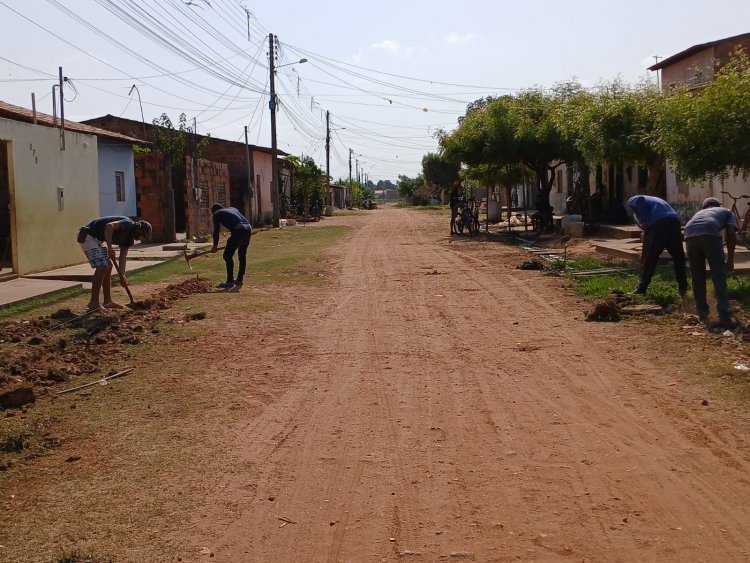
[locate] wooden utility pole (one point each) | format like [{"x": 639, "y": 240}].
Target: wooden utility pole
[{"x": 272, "y": 107}]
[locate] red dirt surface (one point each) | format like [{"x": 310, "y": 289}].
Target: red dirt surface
[{"x": 433, "y": 403}]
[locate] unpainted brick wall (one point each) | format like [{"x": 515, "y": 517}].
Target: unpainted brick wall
[
  {"x": 150, "y": 177},
  {"x": 211, "y": 176}
]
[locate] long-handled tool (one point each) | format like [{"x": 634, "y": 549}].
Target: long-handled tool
[
  {"x": 188, "y": 258},
  {"x": 124, "y": 284}
]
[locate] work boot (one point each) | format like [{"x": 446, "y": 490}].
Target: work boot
[
  {"x": 638, "y": 291},
  {"x": 726, "y": 321},
  {"x": 226, "y": 285}
]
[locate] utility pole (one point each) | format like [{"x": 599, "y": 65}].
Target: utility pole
[
  {"x": 62, "y": 112},
  {"x": 329, "y": 197},
  {"x": 272, "y": 107},
  {"x": 250, "y": 177}
]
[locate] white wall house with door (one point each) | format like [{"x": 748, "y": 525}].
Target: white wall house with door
[
  {"x": 50, "y": 184},
  {"x": 116, "y": 179}
]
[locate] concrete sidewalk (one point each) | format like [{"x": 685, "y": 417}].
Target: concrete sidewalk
[
  {"x": 631, "y": 250},
  {"x": 41, "y": 284}
]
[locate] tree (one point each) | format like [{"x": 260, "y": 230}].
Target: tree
[
  {"x": 618, "y": 124},
  {"x": 706, "y": 133},
  {"x": 439, "y": 171},
  {"x": 412, "y": 189},
  {"x": 308, "y": 188}
]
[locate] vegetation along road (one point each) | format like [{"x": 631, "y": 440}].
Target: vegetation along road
[{"x": 379, "y": 391}]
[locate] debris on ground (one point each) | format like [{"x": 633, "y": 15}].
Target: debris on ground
[
  {"x": 740, "y": 366},
  {"x": 605, "y": 311},
  {"x": 531, "y": 265},
  {"x": 34, "y": 357}
]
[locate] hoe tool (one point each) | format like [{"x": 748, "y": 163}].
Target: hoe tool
[
  {"x": 189, "y": 257},
  {"x": 125, "y": 285}
]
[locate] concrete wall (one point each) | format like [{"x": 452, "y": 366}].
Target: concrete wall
[
  {"x": 685, "y": 192},
  {"x": 44, "y": 235},
  {"x": 116, "y": 157}
]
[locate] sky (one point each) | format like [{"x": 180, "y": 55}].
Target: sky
[{"x": 389, "y": 74}]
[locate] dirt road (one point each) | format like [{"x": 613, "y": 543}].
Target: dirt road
[
  {"x": 451, "y": 407},
  {"x": 430, "y": 403}
]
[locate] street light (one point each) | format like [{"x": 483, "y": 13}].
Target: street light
[
  {"x": 299, "y": 62},
  {"x": 143, "y": 121},
  {"x": 272, "y": 106}
]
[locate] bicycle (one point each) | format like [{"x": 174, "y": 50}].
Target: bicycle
[{"x": 742, "y": 222}]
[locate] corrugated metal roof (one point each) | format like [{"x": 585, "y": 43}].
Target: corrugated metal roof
[
  {"x": 18, "y": 113},
  {"x": 694, "y": 49}
]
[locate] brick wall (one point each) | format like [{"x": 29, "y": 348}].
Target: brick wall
[
  {"x": 150, "y": 179},
  {"x": 212, "y": 185}
]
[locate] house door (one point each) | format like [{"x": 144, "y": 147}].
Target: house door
[{"x": 6, "y": 246}]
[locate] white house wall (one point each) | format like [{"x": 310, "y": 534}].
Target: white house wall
[
  {"x": 116, "y": 157},
  {"x": 684, "y": 192},
  {"x": 44, "y": 235}
]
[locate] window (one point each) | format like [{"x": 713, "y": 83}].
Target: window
[
  {"x": 119, "y": 186},
  {"x": 203, "y": 187},
  {"x": 221, "y": 194}
]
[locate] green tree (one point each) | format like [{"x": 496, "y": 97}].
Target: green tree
[
  {"x": 439, "y": 171},
  {"x": 617, "y": 124},
  {"x": 308, "y": 188},
  {"x": 413, "y": 189},
  {"x": 706, "y": 133}
]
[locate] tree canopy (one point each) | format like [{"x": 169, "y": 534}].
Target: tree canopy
[{"x": 706, "y": 133}]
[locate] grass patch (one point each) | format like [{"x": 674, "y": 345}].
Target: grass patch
[
  {"x": 662, "y": 289},
  {"x": 14, "y": 309}
]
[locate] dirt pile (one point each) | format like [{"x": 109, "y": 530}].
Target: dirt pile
[{"x": 42, "y": 352}]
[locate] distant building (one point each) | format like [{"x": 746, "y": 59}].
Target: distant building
[{"x": 696, "y": 67}]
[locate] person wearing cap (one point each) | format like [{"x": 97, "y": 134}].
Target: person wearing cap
[
  {"x": 109, "y": 231},
  {"x": 661, "y": 230},
  {"x": 703, "y": 235},
  {"x": 239, "y": 239}
]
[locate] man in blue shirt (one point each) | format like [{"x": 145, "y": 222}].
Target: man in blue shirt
[
  {"x": 661, "y": 230},
  {"x": 704, "y": 243},
  {"x": 239, "y": 239}
]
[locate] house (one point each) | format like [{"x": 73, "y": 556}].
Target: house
[
  {"x": 340, "y": 195},
  {"x": 696, "y": 67},
  {"x": 50, "y": 184},
  {"x": 253, "y": 199}
]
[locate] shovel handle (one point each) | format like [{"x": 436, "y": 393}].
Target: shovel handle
[{"x": 119, "y": 273}]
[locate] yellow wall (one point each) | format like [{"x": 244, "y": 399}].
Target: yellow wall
[{"x": 44, "y": 235}]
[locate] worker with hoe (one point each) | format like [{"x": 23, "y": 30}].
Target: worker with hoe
[
  {"x": 661, "y": 230},
  {"x": 239, "y": 239},
  {"x": 109, "y": 231},
  {"x": 704, "y": 243}
]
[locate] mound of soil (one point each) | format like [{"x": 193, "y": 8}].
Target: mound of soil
[
  {"x": 605, "y": 311},
  {"x": 33, "y": 356}
]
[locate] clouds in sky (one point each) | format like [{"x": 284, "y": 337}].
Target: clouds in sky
[{"x": 454, "y": 38}]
